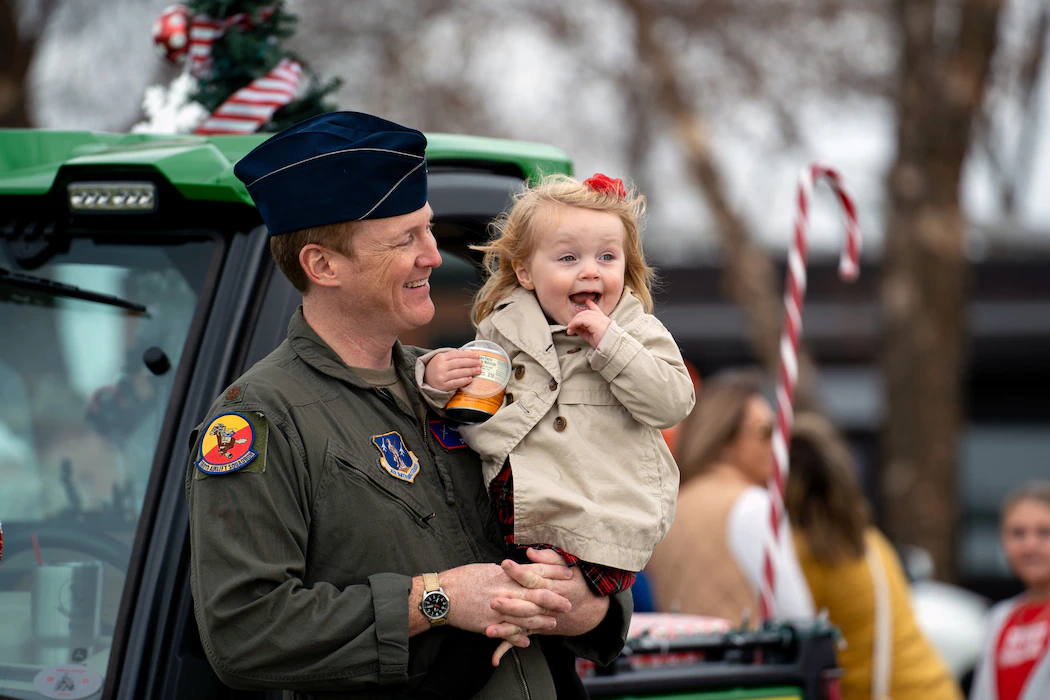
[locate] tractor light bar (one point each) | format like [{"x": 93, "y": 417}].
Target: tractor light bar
[{"x": 113, "y": 197}]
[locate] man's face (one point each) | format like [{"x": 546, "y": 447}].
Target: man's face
[
  {"x": 388, "y": 279},
  {"x": 578, "y": 256}
]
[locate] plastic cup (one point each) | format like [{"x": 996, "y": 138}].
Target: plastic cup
[{"x": 479, "y": 400}]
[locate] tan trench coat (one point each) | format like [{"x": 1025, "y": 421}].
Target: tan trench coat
[{"x": 581, "y": 428}]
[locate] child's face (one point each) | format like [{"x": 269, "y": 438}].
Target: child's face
[
  {"x": 578, "y": 255},
  {"x": 1026, "y": 541}
]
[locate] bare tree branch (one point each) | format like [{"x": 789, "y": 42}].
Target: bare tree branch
[
  {"x": 750, "y": 278},
  {"x": 1011, "y": 163},
  {"x": 1032, "y": 67},
  {"x": 16, "y": 53}
]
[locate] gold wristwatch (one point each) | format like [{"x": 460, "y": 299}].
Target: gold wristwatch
[{"x": 435, "y": 603}]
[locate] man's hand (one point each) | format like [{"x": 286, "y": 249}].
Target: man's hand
[
  {"x": 548, "y": 572},
  {"x": 589, "y": 325},
  {"x": 473, "y": 589},
  {"x": 452, "y": 369}
]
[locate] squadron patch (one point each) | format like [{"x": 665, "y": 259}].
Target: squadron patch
[
  {"x": 394, "y": 458},
  {"x": 446, "y": 434},
  {"x": 231, "y": 442}
]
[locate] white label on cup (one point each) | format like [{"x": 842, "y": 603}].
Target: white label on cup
[
  {"x": 67, "y": 681},
  {"x": 494, "y": 370}
]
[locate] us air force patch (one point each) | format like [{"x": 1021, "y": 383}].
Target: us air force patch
[
  {"x": 394, "y": 458},
  {"x": 447, "y": 434},
  {"x": 231, "y": 442}
]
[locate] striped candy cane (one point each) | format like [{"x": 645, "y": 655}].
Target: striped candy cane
[
  {"x": 252, "y": 106},
  {"x": 788, "y": 373},
  {"x": 205, "y": 31}
]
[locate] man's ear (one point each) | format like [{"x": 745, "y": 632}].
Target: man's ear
[
  {"x": 319, "y": 264},
  {"x": 524, "y": 277}
]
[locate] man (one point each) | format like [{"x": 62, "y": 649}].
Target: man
[{"x": 321, "y": 526}]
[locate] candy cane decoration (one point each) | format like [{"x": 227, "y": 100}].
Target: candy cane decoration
[
  {"x": 205, "y": 31},
  {"x": 252, "y": 106},
  {"x": 849, "y": 267}
]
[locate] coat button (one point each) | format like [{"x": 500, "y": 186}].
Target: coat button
[
  {"x": 510, "y": 398},
  {"x": 559, "y": 424},
  {"x": 553, "y": 384},
  {"x": 519, "y": 372}
]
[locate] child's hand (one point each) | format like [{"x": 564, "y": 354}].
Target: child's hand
[
  {"x": 589, "y": 325},
  {"x": 502, "y": 649},
  {"x": 452, "y": 369}
]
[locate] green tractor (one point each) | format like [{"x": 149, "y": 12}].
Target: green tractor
[{"x": 135, "y": 284}]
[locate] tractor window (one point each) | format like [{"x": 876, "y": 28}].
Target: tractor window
[{"x": 85, "y": 383}]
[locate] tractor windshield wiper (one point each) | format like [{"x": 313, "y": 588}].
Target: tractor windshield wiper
[{"x": 41, "y": 285}]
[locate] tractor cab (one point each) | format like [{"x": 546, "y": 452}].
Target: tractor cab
[{"x": 135, "y": 284}]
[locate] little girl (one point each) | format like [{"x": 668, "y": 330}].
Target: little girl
[{"x": 574, "y": 457}]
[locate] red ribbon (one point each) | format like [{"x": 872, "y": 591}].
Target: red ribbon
[{"x": 607, "y": 185}]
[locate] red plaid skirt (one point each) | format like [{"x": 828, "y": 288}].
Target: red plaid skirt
[{"x": 603, "y": 580}]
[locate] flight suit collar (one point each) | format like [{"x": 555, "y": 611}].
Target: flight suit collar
[
  {"x": 520, "y": 319},
  {"x": 315, "y": 352}
]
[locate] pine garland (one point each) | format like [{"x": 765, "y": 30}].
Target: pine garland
[{"x": 245, "y": 53}]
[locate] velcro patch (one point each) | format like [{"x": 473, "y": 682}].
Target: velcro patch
[
  {"x": 394, "y": 458},
  {"x": 234, "y": 394},
  {"x": 446, "y": 434},
  {"x": 232, "y": 442}
]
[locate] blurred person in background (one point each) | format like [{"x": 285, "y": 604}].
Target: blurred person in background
[
  {"x": 854, "y": 573},
  {"x": 1015, "y": 664},
  {"x": 710, "y": 562}
]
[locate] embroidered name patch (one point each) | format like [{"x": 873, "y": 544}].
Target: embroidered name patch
[
  {"x": 229, "y": 443},
  {"x": 394, "y": 458},
  {"x": 447, "y": 434}
]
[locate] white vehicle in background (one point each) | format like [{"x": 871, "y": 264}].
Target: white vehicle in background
[{"x": 952, "y": 618}]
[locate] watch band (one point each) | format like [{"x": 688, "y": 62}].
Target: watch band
[{"x": 430, "y": 583}]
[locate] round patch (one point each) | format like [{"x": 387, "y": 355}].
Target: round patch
[
  {"x": 226, "y": 444},
  {"x": 70, "y": 681}
]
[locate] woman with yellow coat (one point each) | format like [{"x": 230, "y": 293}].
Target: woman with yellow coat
[{"x": 855, "y": 574}]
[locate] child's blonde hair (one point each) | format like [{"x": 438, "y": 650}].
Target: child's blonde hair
[{"x": 514, "y": 237}]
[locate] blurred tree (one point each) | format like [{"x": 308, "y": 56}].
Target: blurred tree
[
  {"x": 251, "y": 49},
  {"x": 16, "y": 54},
  {"x": 944, "y": 66},
  {"x": 1013, "y": 95},
  {"x": 750, "y": 278}
]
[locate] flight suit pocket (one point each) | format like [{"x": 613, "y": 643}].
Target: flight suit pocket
[{"x": 369, "y": 525}]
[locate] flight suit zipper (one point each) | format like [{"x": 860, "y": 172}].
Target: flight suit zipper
[
  {"x": 453, "y": 501},
  {"x": 388, "y": 395},
  {"x": 419, "y": 518},
  {"x": 521, "y": 674}
]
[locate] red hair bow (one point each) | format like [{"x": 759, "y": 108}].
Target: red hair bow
[{"x": 606, "y": 185}]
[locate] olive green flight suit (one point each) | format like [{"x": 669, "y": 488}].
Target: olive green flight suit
[{"x": 301, "y": 561}]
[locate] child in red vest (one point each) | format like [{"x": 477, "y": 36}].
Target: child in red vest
[{"x": 1016, "y": 664}]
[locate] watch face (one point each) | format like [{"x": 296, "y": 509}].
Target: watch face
[{"x": 435, "y": 605}]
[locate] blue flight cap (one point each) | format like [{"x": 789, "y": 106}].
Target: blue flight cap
[{"x": 338, "y": 166}]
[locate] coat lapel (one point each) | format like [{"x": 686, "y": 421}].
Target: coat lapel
[{"x": 521, "y": 321}]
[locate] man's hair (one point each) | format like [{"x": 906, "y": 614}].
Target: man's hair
[
  {"x": 514, "y": 238},
  {"x": 715, "y": 421},
  {"x": 823, "y": 497},
  {"x": 285, "y": 248}
]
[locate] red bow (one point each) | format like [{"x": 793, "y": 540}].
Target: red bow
[{"x": 606, "y": 185}]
